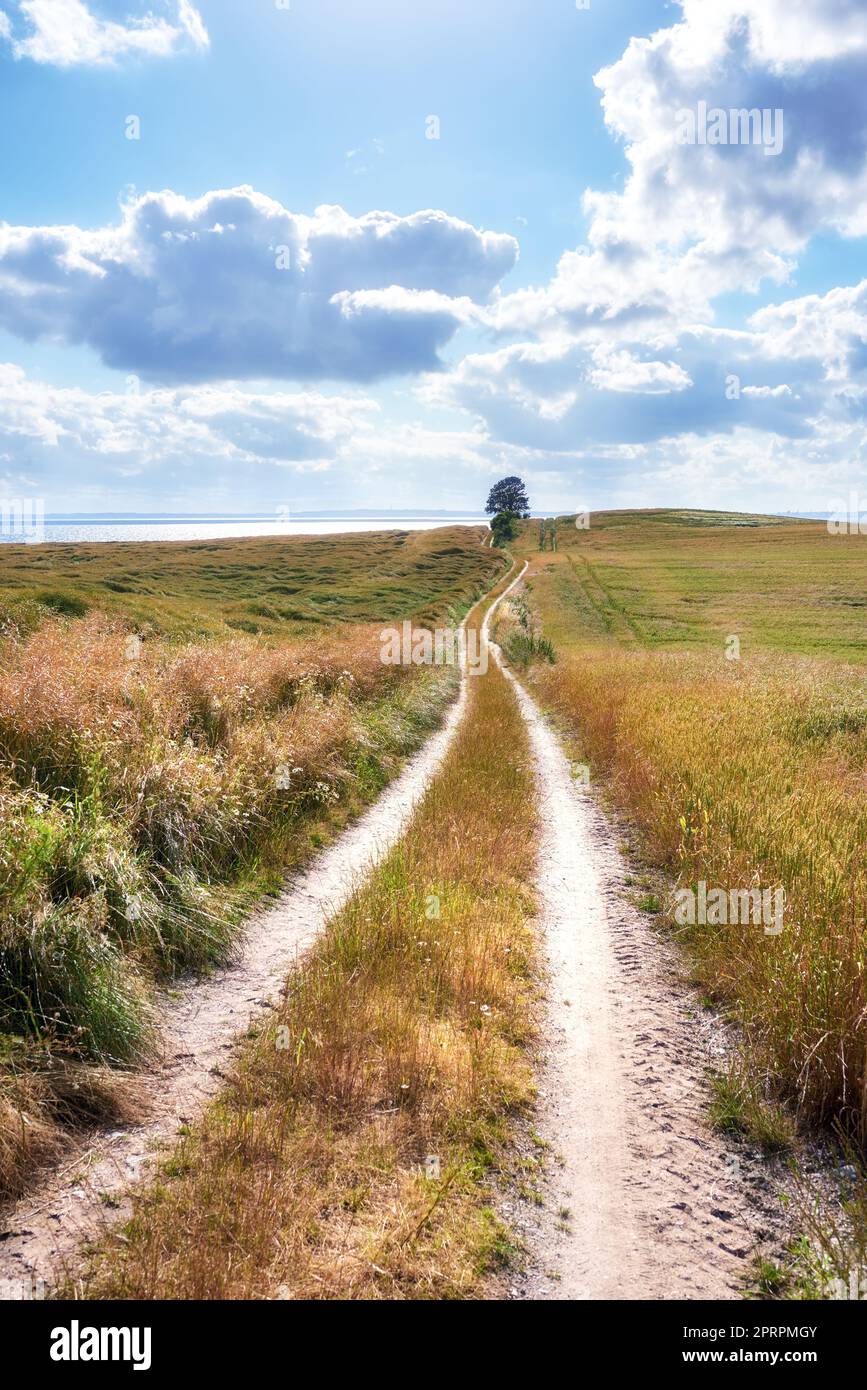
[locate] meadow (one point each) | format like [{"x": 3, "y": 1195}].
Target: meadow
[
  {"x": 710, "y": 669},
  {"x": 274, "y": 588},
  {"x": 180, "y": 725},
  {"x": 351, "y": 1153}
]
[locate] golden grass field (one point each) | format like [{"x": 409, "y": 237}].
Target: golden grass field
[{"x": 150, "y": 792}]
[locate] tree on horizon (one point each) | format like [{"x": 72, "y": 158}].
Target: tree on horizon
[{"x": 508, "y": 495}]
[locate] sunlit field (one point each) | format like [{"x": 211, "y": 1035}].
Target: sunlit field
[
  {"x": 403, "y": 1041},
  {"x": 710, "y": 670},
  {"x": 170, "y": 745},
  {"x": 269, "y": 587}
]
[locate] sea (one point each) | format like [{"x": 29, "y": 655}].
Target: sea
[{"x": 85, "y": 529}]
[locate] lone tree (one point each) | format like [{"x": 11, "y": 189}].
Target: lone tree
[{"x": 509, "y": 495}]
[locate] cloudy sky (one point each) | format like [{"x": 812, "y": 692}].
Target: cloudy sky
[{"x": 321, "y": 253}]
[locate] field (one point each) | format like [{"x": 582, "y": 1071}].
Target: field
[
  {"x": 737, "y": 763},
  {"x": 404, "y": 1034},
  {"x": 294, "y": 587},
  {"x": 678, "y": 581},
  {"x": 166, "y": 754},
  {"x": 710, "y": 671}
]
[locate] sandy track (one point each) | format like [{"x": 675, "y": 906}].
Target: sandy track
[
  {"x": 200, "y": 1026},
  {"x": 643, "y": 1201}
]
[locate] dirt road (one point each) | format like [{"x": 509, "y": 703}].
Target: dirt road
[{"x": 644, "y": 1200}]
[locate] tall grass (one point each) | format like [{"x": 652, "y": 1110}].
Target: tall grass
[
  {"x": 519, "y": 633},
  {"x": 742, "y": 776},
  {"x": 142, "y": 802}
]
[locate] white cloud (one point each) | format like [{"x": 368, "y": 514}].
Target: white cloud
[
  {"x": 630, "y": 314},
  {"x": 234, "y": 285},
  {"x": 733, "y": 202},
  {"x": 621, "y": 371},
  {"x": 617, "y": 372},
  {"x": 767, "y": 393},
  {"x": 693, "y": 222},
  {"x": 829, "y": 328},
  {"x": 67, "y": 33},
  {"x": 197, "y": 448},
  {"x": 151, "y": 427},
  {"x": 78, "y": 449},
  {"x": 778, "y": 33},
  {"x": 798, "y": 369}
]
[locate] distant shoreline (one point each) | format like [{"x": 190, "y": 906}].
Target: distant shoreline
[
  {"x": 101, "y": 528},
  {"x": 236, "y": 518}
]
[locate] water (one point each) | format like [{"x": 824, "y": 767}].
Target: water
[{"x": 87, "y": 529}]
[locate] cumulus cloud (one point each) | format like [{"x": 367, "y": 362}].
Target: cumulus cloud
[
  {"x": 613, "y": 369},
  {"x": 732, "y": 201},
  {"x": 622, "y": 371},
  {"x": 197, "y": 448},
  {"x": 829, "y": 328},
  {"x": 67, "y": 33},
  {"x": 150, "y": 427},
  {"x": 779, "y": 33},
  {"x": 694, "y": 221},
  {"x": 562, "y": 395},
  {"x": 200, "y": 448},
  {"x": 769, "y": 416},
  {"x": 234, "y": 285}
]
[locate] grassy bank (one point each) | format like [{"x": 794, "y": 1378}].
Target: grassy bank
[
  {"x": 151, "y": 789},
  {"x": 277, "y": 588},
  {"x": 741, "y": 773},
  {"x": 347, "y": 1156}
]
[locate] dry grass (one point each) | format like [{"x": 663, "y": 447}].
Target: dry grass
[
  {"x": 149, "y": 793},
  {"x": 746, "y": 778},
  {"x": 278, "y": 587},
  {"x": 403, "y": 1035}
]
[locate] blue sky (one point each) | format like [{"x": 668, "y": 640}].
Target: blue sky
[{"x": 555, "y": 286}]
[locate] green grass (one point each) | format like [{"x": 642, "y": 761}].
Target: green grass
[
  {"x": 689, "y": 580},
  {"x": 523, "y": 647},
  {"x": 738, "y": 1107},
  {"x": 271, "y": 586}
]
